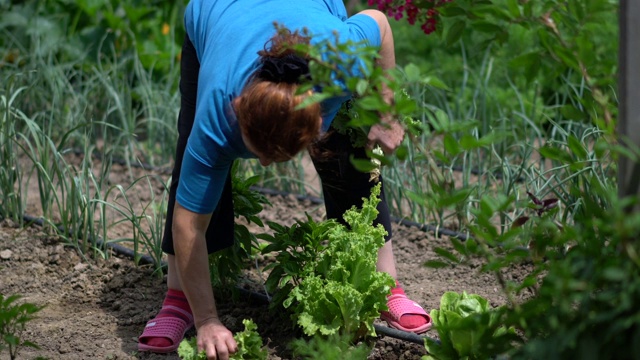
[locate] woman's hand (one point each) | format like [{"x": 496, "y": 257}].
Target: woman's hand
[
  {"x": 387, "y": 133},
  {"x": 216, "y": 340}
]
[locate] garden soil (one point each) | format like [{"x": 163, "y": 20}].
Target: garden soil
[{"x": 95, "y": 308}]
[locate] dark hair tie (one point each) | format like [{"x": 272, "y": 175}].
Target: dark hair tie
[{"x": 290, "y": 69}]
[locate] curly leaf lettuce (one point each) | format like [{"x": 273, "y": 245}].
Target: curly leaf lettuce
[
  {"x": 249, "y": 345},
  {"x": 468, "y": 328},
  {"x": 342, "y": 292}
]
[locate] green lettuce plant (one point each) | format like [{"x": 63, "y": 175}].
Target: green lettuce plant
[
  {"x": 294, "y": 247},
  {"x": 249, "y": 345},
  {"x": 337, "y": 289},
  {"x": 330, "y": 347},
  {"x": 468, "y": 328}
]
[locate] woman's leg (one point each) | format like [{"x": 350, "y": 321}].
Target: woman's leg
[{"x": 343, "y": 186}]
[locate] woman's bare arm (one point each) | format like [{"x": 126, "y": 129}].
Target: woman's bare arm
[
  {"x": 389, "y": 132},
  {"x": 192, "y": 265}
]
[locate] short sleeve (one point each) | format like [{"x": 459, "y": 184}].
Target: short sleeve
[
  {"x": 200, "y": 186},
  {"x": 364, "y": 28}
]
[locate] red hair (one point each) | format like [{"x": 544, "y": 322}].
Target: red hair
[{"x": 268, "y": 112}]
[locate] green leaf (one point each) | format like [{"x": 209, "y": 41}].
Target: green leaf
[
  {"x": 570, "y": 112},
  {"x": 249, "y": 343},
  {"x": 567, "y": 57},
  {"x": 525, "y": 60},
  {"x": 455, "y": 32},
  {"x": 446, "y": 254},
  {"x": 555, "y": 153},
  {"x": 486, "y": 27},
  {"x": 11, "y": 339},
  {"x": 316, "y": 97},
  {"x": 405, "y": 105},
  {"x": 451, "y": 144},
  {"x": 188, "y": 350},
  {"x": 576, "y": 147},
  {"x": 489, "y": 10},
  {"x": 452, "y": 10},
  {"x": 514, "y": 8},
  {"x": 472, "y": 245},
  {"x": 615, "y": 274},
  {"x": 454, "y": 198},
  {"x": 436, "y": 264},
  {"x": 435, "y": 82},
  {"x": 363, "y": 165},
  {"x": 362, "y": 87},
  {"x": 402, "y": 152},
  {"x": 412, "y": 72},
  {"x": 371, "y": 103},
  {"x": 459, "y": 246}
]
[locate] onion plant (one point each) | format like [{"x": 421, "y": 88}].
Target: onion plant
[{"x": 11, "y": 201}]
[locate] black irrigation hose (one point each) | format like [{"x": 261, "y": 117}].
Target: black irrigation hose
[
  {"x": 117, "y": 249},
  {"x": 148, "y": 260}
]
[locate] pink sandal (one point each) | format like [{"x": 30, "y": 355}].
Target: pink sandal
[
  {"x": 172, "y": 328},
  {"x": 400, "y": 305}
]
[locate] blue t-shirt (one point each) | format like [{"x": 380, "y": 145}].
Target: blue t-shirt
[{"x": 227, "y": 35}]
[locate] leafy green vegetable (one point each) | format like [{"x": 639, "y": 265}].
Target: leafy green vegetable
[
  {"x": 249, "y": 345},
  {"x": 468, "y": 328},
  {"x": 339, "y": 290},
  {"x": 294, "y": 246},
  {"x": 188, "y": 350},
  {"x": 331, "y": 347}
]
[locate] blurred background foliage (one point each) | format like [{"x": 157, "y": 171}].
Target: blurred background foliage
[
  {"x": 555, "y": 52},
  {"x": 89, "y": 29},
  {"x": 491, "y": 80}
]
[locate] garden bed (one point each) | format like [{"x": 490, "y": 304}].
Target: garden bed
[{"x": 96, "y": 308}]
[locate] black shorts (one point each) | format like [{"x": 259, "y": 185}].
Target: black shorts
[{"x": 343, "y": 186}]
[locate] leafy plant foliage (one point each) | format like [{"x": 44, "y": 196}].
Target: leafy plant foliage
[
  {"x": 13, "y": 321},
  {"x": 249, "y": 345},
  {"x": 468, "y": 328},
  {"x": 226, "y": 266},
  {"x": 332, "y": 286},
  {"x": 331, "y": 347},
  {"x": 584, "y": 275}
]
